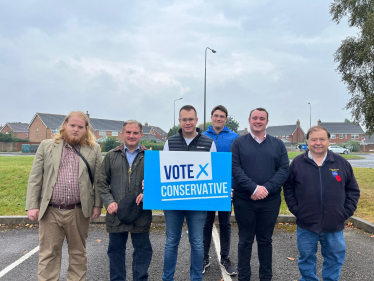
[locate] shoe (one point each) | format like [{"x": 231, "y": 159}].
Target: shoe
[
  {"x": 229, "y": 268},
  {"x": 206, "y": 263}
]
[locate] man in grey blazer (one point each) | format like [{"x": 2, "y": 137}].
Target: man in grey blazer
[{"x": 61, "y": 196}]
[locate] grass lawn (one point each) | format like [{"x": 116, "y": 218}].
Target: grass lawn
[
  {"x": 14, "y": 174},
  {"x": 292, "y": 155}
]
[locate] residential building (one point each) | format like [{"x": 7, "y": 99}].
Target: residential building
[
  {"x": 18, "y": 129},
  {"x": 287, "y": 133},
  {"x": 343, "y": 132}
]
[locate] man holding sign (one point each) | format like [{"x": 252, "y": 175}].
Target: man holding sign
[{"x": 189, "y": 138}]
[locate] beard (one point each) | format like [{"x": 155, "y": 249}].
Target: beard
[{"x": 74, "y": 141}]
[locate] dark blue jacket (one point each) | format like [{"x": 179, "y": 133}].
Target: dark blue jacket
[
  {"x": 255, "y": 164},
  {"x": 321, "y": 198},
  {"x": 224, "y": 138}
]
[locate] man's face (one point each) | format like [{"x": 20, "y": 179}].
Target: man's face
[
  {"x": 188, "y": 121},
  {"x": 318, "y": 142},
  {"x": 219, "y": 119},
  {"x": 131, "y": 135},
  {"x": 258, "y": 121},
  {"x": 75, "y": 129}
]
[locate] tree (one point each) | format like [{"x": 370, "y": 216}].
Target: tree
[
  {"x": 232, "y": 124},
  {"x": 207, "y": 124},
  {"x": 346, "y": 120},
  {"x": 355, "y": 58},
  {"x": 152, "y": 144},
  {"x": 173, "y": 130},
  {"x": 109, "y": 143}
]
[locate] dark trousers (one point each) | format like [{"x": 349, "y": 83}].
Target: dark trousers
[
  {"x": 256, "y": 218},
  {"x": 141, "y": 257},
  {"x": 224, "y": 232}
]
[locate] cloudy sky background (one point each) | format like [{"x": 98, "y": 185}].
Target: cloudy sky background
[{"x": 131, "y": 59}]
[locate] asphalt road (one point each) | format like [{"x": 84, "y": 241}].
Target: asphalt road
[{"x": 18, "y": 242}]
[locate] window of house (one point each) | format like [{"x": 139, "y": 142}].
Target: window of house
[
  {"x": 346, "y": 136},
  {"x": 333, "y": 136},
  {"x": 102, "y": 133},
  {"x": 354, "y": 136},
  {"x": 286, "y": 137},
  {"x": 341, "y": 136},
  {"x": 37, "y": 130},
  {"x": 7, "y": 133},
  {"x": 114, "y": 133},
  {"x": 55, "y": 131}
]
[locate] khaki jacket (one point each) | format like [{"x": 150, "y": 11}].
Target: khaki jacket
[{"x": 44, "y": 173}]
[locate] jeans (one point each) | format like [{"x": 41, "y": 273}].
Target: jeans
[
  {"x": 195, "y": 223},
  {"x": 141, "y": 257},
  {"x": 224, "y": 232},
  {"x": 332, "y": 250},
  {"x": 256, "y": 218}
]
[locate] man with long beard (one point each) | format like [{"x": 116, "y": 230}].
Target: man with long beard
[{"x": 60, "y": 194}]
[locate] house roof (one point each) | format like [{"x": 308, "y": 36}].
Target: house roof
[
  {"x": 284, "y": 130},
  {"x": 147, "y": 130},
  {"x": 149, "y": 137},
  {"x": 55, "y": 121},
  {"x": 342, "y": 128},
  {"x": 369, "y": 139},
  {"x": 18, "y": 127}
]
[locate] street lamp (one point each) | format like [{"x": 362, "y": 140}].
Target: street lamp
[
  {"x": 213, "y": 51},
  {"x": 310, "y": 112},
  {"x": 174, "y": 114}
]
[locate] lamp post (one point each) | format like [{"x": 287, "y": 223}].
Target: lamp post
[
  {"x": 310, "y": 113},
  {"x": 174, "y": 114},
  {"x": 213, "y": 51}
]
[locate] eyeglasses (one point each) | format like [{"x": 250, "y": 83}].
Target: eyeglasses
[{"x": 185, "y": 120}]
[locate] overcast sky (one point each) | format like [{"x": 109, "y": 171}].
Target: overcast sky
[{"x": 131, "y": 59}]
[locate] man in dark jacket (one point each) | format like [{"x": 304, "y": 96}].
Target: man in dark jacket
[
  {"x": 121, "y": 175},
  {"x": 322, "y": 192},
  {"x": 260, "y": 167},
  {"x": 223, "y": 138},
  {"x": 189, "y": 138}
]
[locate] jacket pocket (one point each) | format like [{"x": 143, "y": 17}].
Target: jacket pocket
[{"x": 144, "y": 220}]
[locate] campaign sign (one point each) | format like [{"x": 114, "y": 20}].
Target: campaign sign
[{"x": 180, "y": 180}]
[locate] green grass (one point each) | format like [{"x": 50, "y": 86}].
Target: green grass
[
  {"x": 14, "y": 174},
  {"x": 292, "y": 155}
]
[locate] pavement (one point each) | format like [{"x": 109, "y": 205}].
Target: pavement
[{"x": 19, "y": 254}]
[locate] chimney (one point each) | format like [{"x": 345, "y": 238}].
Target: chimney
[
  {"x": 245, "y": 131},
  {"x": 87, "y": 114},
  {"x": 298, "y": 123},
  {"x": 319, "y": 122},
  {"x": 146, "y": 124}
]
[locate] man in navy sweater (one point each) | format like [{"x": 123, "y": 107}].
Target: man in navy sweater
[
  {"x": 260, "y": 167},
  {"x": 223, "y": 138},
  {"x": 322, "y": 192}
]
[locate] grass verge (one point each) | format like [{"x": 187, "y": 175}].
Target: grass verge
[
  {"x": 292, "y": 155},
  {"x": 14, "y": 174}
]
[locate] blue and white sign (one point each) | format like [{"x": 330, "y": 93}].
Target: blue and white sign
[
  {"x": 303, "y": 146},
  {"x": 180, "y": 180}
]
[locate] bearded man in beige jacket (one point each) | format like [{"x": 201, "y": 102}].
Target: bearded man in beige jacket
[{"x": 61, "y": 196}]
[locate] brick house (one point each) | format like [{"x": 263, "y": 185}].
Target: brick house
[
  {"x": 20, "y": 130},
  {"x": 155, "y": 131},
  {"x": 243, "y": 132},
  {"x": 43, "y": 125},
  {"x": 291, "y": 133},
  {"x": 343, "y": 132}
]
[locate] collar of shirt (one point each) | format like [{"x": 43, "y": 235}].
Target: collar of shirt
[
  {"x": 257, "y": 138},
  {"x": 311, "y": 157},
  {"x": 68, "y": 146},
  {"x": 131, "y": 156}
]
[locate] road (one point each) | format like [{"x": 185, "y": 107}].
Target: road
[{"x": 19, "y": 242}]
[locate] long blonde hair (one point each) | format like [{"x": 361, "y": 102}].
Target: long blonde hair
[{"x": 87, "y": 139}]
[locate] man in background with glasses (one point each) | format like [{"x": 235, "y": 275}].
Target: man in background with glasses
[{"x": 189, "y": 138}]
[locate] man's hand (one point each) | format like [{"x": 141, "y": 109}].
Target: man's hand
[
  {"x": 112, "y": 208},
  {"x": 139, "y": 199},
  {"x": 96, "y": 212},
  {"x": 143, "y": 185},
  {"x": 33, "y": 214},
  {"x": 260, "y": 194},
  {"x": 232, "y": 194}
]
